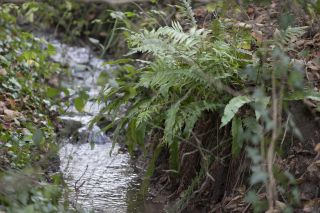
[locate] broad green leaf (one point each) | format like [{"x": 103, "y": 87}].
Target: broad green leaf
[
  {"x": 233, "y": 107},
  {"x": 51, "y": 49},
  {"x": 81, "y": 101},
  {"x": 237, "y": 136},
  {"x": 52, "y": 92}
]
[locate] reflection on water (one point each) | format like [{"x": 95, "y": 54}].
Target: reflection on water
[{"x": 98, "y": 181}]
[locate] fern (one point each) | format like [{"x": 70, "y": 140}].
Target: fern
[
  {"x": 232, "y": 108},
  {"x": 285, "y": 38},
  {"x": 187, "y": 10},
  {"x": 176, "y": 85}
]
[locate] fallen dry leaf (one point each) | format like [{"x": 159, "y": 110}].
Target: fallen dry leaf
[
  {"x": 11, "y": 114},
  {"x": 312, "y": 205},
  {"x": 317, "y": 148},
  {"x": 3, "y": 72},
  {"x": 257, "y": 35}
]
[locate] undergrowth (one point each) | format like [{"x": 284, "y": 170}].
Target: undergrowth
[
  {"x": 186, "y": 71},
  {"x": 27, "y": 134}
]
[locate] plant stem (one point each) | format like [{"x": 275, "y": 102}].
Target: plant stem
[
  {"x": 271, "y": 185},
  {"x": 110, "y": 39}
]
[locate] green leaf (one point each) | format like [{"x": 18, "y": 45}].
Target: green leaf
[
  {"x": 119, "y": 61},
  {"x": 81, "y": 101},
  {"x": 170, "y": 122},
  {"x": 103, "y": 79},
  {"x": 51, "y": 49},
  {"x": 52, "y": 92},
  {"x": 150, "y": 170},
  {"x": 174, "y": 155},
  {"x": 300, "y": 95},
  {"x": 233, "y": 107},
  {"x": 237, "y": 138},
  {"x": 135, "y": 135}
]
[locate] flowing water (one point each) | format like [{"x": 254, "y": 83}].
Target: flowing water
[{"x": 97, "y": 181}]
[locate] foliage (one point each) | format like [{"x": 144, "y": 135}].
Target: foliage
[
  {"x": 27, "y": 134},
  {"x": 183, "y": 78},
  {"x": 279, "y": 78},
  {"x": 188, "y": 71},
  {"x": 96, "y": 23}
]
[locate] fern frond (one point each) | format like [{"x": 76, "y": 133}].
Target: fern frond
[
  {"x": 288, "y": 36},
  {"x": 170, "y": 123},
  {"x": 186, "y": 4},
  {"x": 193, "y": 111},
  {"x": 178, "y": 36}
]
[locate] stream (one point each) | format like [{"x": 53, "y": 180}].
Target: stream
[{"x": 97, "y": 181}]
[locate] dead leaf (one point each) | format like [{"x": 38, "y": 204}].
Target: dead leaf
[
  {"x": 261, "y": 19},
  {"x": 243, "y": 25},
  {"x": 10, "y": 102},
  {"x": 54, "y": 81},
  {"x": 11, "y": 114},
  {"x": 312, "y": 205},
  {"x": 317, "y": 148},
  {"x": 280, "y": 206},
  {"x": 3, "y": 72},
  {"x": 2, "y": 105},
  {"x": 251, "y": 12},
  {"x": 257, "y": 35}
]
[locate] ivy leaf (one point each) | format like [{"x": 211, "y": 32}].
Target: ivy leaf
[
  {"x": 51, "y": 50},
  {"x": 81, "y": 101},
  {"x": 237, "y": 139},
  {"x": 52, "y": 92},
  {"x": 232, "y": 108}
]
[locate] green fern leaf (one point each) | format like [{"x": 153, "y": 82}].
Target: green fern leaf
[
  {"x": 174, "y": 155},
  {"x": 232, "y": 108},
  {"x": 237, "y": 139},
  {"x": 170, "y": 123}
]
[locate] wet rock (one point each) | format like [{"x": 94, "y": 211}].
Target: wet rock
[
  {"x": 72, "y": 56},
  {"x": 78, "y": 55},
  {"x": 99, "y": 64},
  {"x": 72, "y": 124},
  {"x": 94, "y": 135}
]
